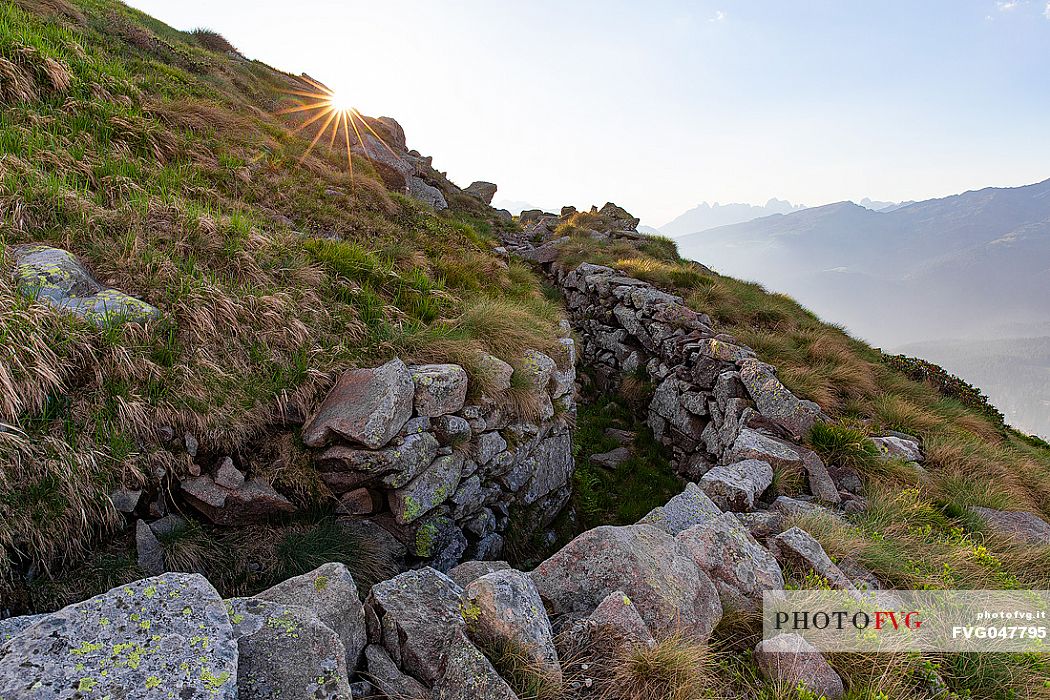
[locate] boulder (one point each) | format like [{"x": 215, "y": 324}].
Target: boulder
[
  {"x": 388, "y": 678},
  {"x": 467, "y": 675},
  {"x": 254, "y": 501},
  {"x": 228, "y": 476},
  {"x": 417, "y": 189},
  {"x": 775, "y": 401},
  {"x": 484, "y": 191},
  {"x": 648, "y": 565},
  {"x": 736, "y": 486},
  {"x": 740, "y": 567},
  {"x": 761, "y": 523},
  {"x": 503, "y": 610},
  {"x": 171, "y": 630},
  {"x": 360, "y": 502},
  {"x": 427, "y": 491},
  {"x": 611, "y": 459},
  {"x": 149, "y": 550},
  {"x": 418, "y": 614},
  {"x": 790, "y": 661},
  {"x": 343, "y": 467},
  {"x": 440, "y": 389},
  {"x": 751, "y": 444},
  {"x": 125, "y": 500},
  {"x": 367, "y": 406},
  {"x": 892, "y": 447},
  {"x": 688, "y": 508},
  {"x": 494, "y": 376},
  {"x": 285, "y": 651},
  {"x": 451, "y": 430},
  {"x": 617, "y": 620},
  {"x": 798, "y": 549},
  {"x": 56, "y": 277},
  {"x": 330, "y": 593},
  {"x": 1025, "y": 527},
  {"x": 551, "y": 465},
  {"x": 470, "y": 571}
]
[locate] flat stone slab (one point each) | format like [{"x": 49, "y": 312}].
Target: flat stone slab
[{"x": 367, "y": 406}]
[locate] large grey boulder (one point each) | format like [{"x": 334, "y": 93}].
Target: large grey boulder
[
  {"x": 285, "y": 651},
  {"x": 467, "y": 675},
  {"x": 798, "y": 549},
  {"x": 736, "y": 486},
  {"x": 648, "y": 565},
  {"x": 791, "y": 661},
  {"x": 388, "y": 679},
  {"x": 416, "y": 188},
  {"x": 482, "y": 190},
  {"x": 427, "y": 491},
  {"x": 1025, "y": 527},
  {"x": 343, "y": 467},
  {"x": 504, "y": 610},
  {"x": 329, "y": 592},
  {"x": 685, "y": 510},
  {"x": 740, "y": 567},
  {"x": 368, "y": 406},
  {"x": 775, "y": 401},
  {"x": 170, "y": 631},
  {"x": 418, "y": 614},
  {"x": 55, "y": 276},
  {"x": 440, "y": 389}
]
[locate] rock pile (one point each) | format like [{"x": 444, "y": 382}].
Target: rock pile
[
  {"x": 414, "y": 451},
  {"x": 421, "y": 634}
]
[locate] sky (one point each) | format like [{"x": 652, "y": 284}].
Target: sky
[{"x": 660, "y": 105}]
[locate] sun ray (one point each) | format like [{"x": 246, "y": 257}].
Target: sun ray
[
  {"x": 349, "y": 156},
  {"x": 337, "y": 113},
  {"x": 308, "y": 122},
  {"x": 353, "y": 122},
  {"x": 320, "y": 133},
  {"x": 304, "y": 108}
]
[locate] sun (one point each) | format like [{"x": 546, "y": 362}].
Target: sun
[
  {"x": 338, "y": 112},
  {"x": 340, "y": 102}
]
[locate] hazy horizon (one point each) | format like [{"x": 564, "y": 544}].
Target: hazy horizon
[{"x": 661, "y": 107}]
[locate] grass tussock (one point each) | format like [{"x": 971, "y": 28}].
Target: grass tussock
[{"x": 676, "y": 668}]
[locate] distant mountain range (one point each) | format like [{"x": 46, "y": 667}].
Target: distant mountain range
[
  {"x": 706, "y": 216},
  {"x": 973, "y": 266}
]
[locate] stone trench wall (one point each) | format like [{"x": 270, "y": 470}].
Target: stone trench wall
[
  {"x": 715, "y": 402},
  {"x": 402, "y": 446}
]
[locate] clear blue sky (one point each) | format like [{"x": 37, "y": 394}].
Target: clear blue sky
[{"x": 660, "y": 105}]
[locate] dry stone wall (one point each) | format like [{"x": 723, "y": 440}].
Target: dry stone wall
[
  {"x": 404, "y": 447},
  {"x": 715, "y": 404}
]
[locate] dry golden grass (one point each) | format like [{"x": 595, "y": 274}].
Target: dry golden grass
[{"x": 677, "y": 668}]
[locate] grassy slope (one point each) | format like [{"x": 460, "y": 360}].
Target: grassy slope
[
  {"x": 916, "y": 532},
  {"x": 161, "y": 165}
]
